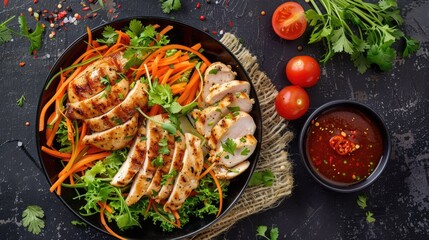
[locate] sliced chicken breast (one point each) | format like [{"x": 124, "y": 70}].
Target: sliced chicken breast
[
  {"x": 219, "y": 91},
  {"x": 175, "y": 167},
  {"x": 137, "y": 97},
  {"x": 233, "y": 125},
  {"x": 245, "y": 146},
  {"x": 88, "y": 82},
  {"x": 114, "y": 138},
  {"x": 223, "y": 172},
  {"x": 155, "y": 185},
  {"x": 188, "y": 178},
  {"x": 142, "y": 180},
  {"x": 208, "y": 117},
  {"x": 217, "y": 73},
  {"x": 135, "y": 159},
  {"x": 98, "y": 104}
]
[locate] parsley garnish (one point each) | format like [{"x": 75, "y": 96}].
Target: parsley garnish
[
  {"x": 158, "y": 161},
  {"x": 214, "y": 71},
  {"x": 144, "y": 138},
  {"x": 110, "y": 36},
  {"x": 234, "y": 109},
  {"x": 78, "y": 223},
  {"x": 20, "y": 101},
  {"x": 361, "y": 201},
  {"x": 163, "y": 147},
  {"x": 32, "y": 219},
  {"x": 229, "y": 146},
  {"x": 166, "y": 177},
  {"x": 170, "y": 5},
  {"x": 243, "y": 140},
  {"x": 365, "y": 31},
  {"x": 265, "y": 178},
  {"x": 274, "y": 232},
  {"x": 35, "y": 37},
  {"x": 245, "y": 152},
  {"x": 369, "y": 217}
]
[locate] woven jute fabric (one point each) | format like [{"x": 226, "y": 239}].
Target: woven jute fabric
[{"x": 273, "y": 156}]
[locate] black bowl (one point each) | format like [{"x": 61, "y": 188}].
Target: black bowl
[
  {"x": 371, "y": 116},
  {"x": 182, "y": 34}
]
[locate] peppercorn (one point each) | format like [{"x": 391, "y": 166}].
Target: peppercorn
[
  {"x": 208, "y": 1},
  {"x": 69, "y": 8},
  {"x": 27, "y": 124},
  {"x": 299, "y": 48}
]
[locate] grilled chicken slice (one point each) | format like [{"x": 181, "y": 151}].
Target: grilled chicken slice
[
  {"x": 114, "y": 138},
  {"x": 98, "y": 104},
  {"x": 217, "y": 73},
  {"x": 137, "y": 97},
  {"x": 222, "y": 172},
  {"x": 155, "y": 185},
  {"x": 245, "y": 146},
  {"x": 233, "y": 125},
  {"x": 175, "y": 167},
  {"x": 88, "y": 82},
  {"x": 134, "y": 161},
  {"x": 219, "y": 91},
  {"x": 208, "y": 117},
  {"x": 142, "y": 180},
  {"x": 188, "y": 178}
]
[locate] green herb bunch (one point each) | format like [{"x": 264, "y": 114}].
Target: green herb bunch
[{"x": 365, "y": 31}]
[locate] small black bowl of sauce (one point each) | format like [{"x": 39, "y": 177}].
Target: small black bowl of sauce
[{"x": 345, "y": 145}]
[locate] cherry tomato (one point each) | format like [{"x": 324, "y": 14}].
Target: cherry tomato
[
  {"x": 292, "y": 102},
  {"x": 289, "y": 21},
  {"x": 303, "y": 71}
]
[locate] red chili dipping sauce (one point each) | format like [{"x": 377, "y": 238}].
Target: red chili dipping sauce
[{"x": 343, "y": 145}]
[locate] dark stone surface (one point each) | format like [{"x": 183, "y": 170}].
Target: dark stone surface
[{"x": 399, "y": 199}]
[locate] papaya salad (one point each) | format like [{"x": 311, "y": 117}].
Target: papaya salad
[{"x": 146, "y": 129}]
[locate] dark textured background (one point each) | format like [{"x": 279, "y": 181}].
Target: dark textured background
[{"x": 399, "y": 199}]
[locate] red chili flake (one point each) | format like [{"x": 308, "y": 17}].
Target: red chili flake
[
  {"x": 90, "y": 1},
  {"x": 227, "y": 2},
  {"x": 35, "y": 1},
  {"x": 45, "y": 11},
  {"x": 330, "y": 160},
  {"x": 202, "y": 18},
  {"x": 198, "y": 5},
  {"x": 94, "y": 15},
  {"x": 111, "y": 10},
  {"x": 61, "y": 15},
  {"x": 230, "y": 23},
  {"x": 214, "y": 32},
  {"x": 119, "y": 6},
  {"x": 85, "y": 9},
  {"x": 22, "y": 64},
  {"x": 115, "y": 17}
]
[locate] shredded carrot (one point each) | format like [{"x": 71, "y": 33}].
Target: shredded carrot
[
  {"x": 108, "y": 229},
  {"x": 105, "y": 206},
  {"x": 163, "y": 32},
  {"x": 219, "y": 188},
  {"x": 148, "y": 206},
  {"x": 177, "y": 217},
  {"x": 55, "y": 153},
  {"x": 82, "y": 162},
  {"x": 88, "y": 30},
  {"x": 206, "y": 171}
]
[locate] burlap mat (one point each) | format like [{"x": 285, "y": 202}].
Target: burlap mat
[{"x": 275, "y": 136}]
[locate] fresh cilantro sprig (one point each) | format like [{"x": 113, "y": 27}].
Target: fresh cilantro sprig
[
  {"x": 361, "y": 202},
  {"x": 34, "y": 37},
  {"x": 265, "y": 178},
  {"x": 363, "y": 30},
  {"x": 229, "y": 146},
  {"x": 168, "y": 176},
  {"x": 32, "y": 219},
  {"x": 170, "y": 5},
  {"x": 261, "y": 231},
  {"x": 78, "y": 223},
  {"x": 163, "y": 95},
  {"x": 20, "y": 101},
  {"x": 143, "y": 40}
]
